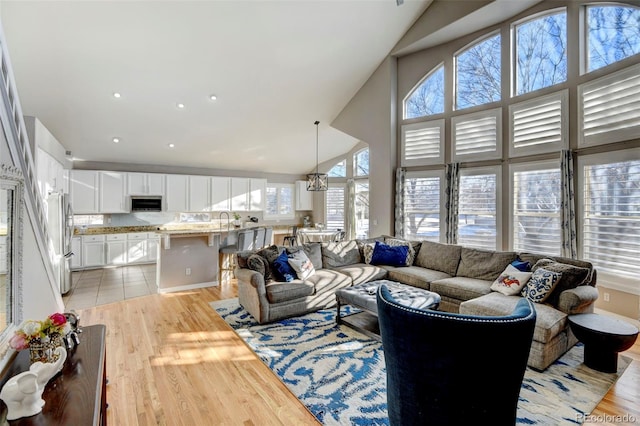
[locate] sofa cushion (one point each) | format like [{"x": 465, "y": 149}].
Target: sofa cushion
[
  {"x": 327, "y": 281},
  {"x": 301, "y": 264},
  {"x": 549, "y": 321},
  {"x": 283, "y": 291},
  {"x": 540, "y": 285},
  {"x": 362, "y": 273},
  {"x": 533, "y": 258},
  {"x": 511, "y": 281},
  {"x": 461, "y": 288},
  {"x": 313, "y": 252},
  {"x": 572, "y": 277},
  {"x": 416, "y": 276},
  {"x": 257, "y": 263},
  {"x": 335, "y": 255},
  {"x": 439, "y": 257},
  {"x": 483, "y": 264}
]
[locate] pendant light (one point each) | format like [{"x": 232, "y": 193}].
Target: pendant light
[{"x": 317, "y": 181}]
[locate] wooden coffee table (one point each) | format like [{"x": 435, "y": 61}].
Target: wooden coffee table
[{"x": 603, "y": 338}]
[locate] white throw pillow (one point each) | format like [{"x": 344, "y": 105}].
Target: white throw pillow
[
  {"x": 301, "y": 264},
  {"x": 511, "y": 281}
]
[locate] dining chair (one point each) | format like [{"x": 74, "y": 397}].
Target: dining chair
[{"x": 292, "y": 238}]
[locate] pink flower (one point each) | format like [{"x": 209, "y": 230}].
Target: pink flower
[
  {"x": 58, "y": 319},
  {"x": 18, "y": 342}
]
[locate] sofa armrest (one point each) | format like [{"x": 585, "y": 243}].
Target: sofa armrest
[
  {"x": 252, "y": 293},
  {"x": 578, "y": 300}
]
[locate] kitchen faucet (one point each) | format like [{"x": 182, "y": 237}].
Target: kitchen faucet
[{"x": 228, "y": 218}]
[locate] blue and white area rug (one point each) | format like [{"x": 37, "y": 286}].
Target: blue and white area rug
[{"x": 339, "y": 373}]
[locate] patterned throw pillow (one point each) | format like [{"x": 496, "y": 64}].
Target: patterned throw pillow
[
  {"x": 540, "y": 285},
  {"x": 367, "y": 252},
  {"x": 301, "y": 264},
  {"x": 411, "y": 254},
  {"x": 511, "y": 281}
]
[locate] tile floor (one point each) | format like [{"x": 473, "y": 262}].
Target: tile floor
[{"x": 101, "y": 286}]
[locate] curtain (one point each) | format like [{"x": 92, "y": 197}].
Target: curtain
[
  {"x": 567, "y": 206},
  {"x": 350, "y": 210},
  {"x": 399, "y": 210},
  {"x": 451, "y": 206}
]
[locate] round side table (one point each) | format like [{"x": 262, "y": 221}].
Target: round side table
[{"x": 603, "y": 338}]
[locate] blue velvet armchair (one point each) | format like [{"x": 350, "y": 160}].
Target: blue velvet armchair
[{"x": 445, "y": 368}]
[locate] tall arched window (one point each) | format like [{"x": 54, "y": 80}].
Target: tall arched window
[
  {"x": 361, "y": 163},
  {"x": 478, "y": 74},
  {"x": 613, "y": 34},
  {"x": 339, "y": 170},
  {"x": 428, "y": 97}
]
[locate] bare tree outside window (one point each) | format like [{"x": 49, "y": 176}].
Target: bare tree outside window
[
  {"x": 613, "y": 34},
  {"x": 428, "y": 98},
  {"x": 478, "y": 74},
  {"x": 422, "y": 208},
  {"x": 541, "y": 53},
  {"x": 361, "y": 160},
  {"x": 339, "y": 170}
]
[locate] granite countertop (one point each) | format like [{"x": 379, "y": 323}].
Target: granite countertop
[{"x": 169, "y": 229}]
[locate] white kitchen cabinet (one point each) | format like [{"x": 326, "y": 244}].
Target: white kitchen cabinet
[
  {"x": 145, "y": 184},
  {"x": 220, "y": 193},
  {"x": 257, "y": 194},
  {"x": 199, "y": 193},
  {"x": 239, "y": 194},
  {"x": 76, "y": 248},
  {"x": 50, "y": 174},
  {"x": 153, "y": 243},
  {"x": 111, "y": 192},
  {"x": 116, "y": 249},
  {"x": 304, "y": 198},
  {"x": 84, "y": 191},
  {"x": 177, "y": 193},
  {"x": 93, "y": 250}
]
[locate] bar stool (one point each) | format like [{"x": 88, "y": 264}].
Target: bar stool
[
  {"x": 268, "y": 235},
  {"x": 258, "y": 239},
  {"x": 227, "y": 254},
  {"x": 292, "y": 238}
]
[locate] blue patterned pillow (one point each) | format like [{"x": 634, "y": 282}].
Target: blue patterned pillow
[{"x": 540, "y": 285}]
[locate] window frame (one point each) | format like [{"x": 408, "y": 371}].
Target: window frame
[
  {"x": 525, "y": 167},
  {"x": 355, "y": 164},
  {"x": 431, "y": 174},
  {"x": 616, "y": 282},
  {"x": 497, "y": 170},
  {"x": 279, "y": 216}
]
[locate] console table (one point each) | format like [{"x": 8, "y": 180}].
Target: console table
[{"x": 75, "y": 396}]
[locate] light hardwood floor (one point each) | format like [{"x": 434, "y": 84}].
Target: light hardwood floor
[{"x": 171, "y": 360}]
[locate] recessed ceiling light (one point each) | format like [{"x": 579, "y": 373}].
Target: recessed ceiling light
[
  {"x": 116, "y": 140},
  {"x": 116, "y": 95},
  {"x": 171, "y": 145},
  {"x": 181, "y": 106},
  {"x": 213, "y": 97}
]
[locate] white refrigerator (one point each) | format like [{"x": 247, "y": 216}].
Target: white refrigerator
[{"x": 60, "y": 218}]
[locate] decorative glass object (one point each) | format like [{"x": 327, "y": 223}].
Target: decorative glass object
[{"x": 43, "y": 350}]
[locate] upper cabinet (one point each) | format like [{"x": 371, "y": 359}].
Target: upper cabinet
[
  {"x": 145, "y": 184},
  {"x": 199, "y": 194},
  {"x": 112, "y": 188},
  {"x": 220, "y": 193},
  {"x": 240, "y": 194},
  {"x": 257, "y": 194},
  {"x": 177, "y": 193},
  {"x": 83, "y": 187},
  {"x": 304, "y": 198}
]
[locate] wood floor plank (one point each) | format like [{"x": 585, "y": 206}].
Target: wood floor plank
[{"x": 171, "y": 360}]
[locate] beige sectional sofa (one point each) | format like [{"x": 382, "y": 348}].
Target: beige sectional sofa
[{"x": 461, "y": 276}]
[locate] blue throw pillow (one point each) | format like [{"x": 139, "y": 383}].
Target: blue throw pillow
[
  {"x": 388, "y": 255},
  {"x": 521, "y": 265},
  {"x": 283, "y": 271}
]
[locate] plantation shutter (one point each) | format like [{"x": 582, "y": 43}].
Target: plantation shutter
[
  {"x": 537, "y": 126},
  {"x": 477, "y": 219},
  {"x": 536, "y": 210},
  {"x": 272, "y": 201},
  {"x": 611, "y": 224},
  {"x": 422, "y": 143},
  {"x": 335, "y": 208},
  {"x": 609, "y": 108},
  {"x": 477, "y": 136},
  {"x": 422, "y": 208}
]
